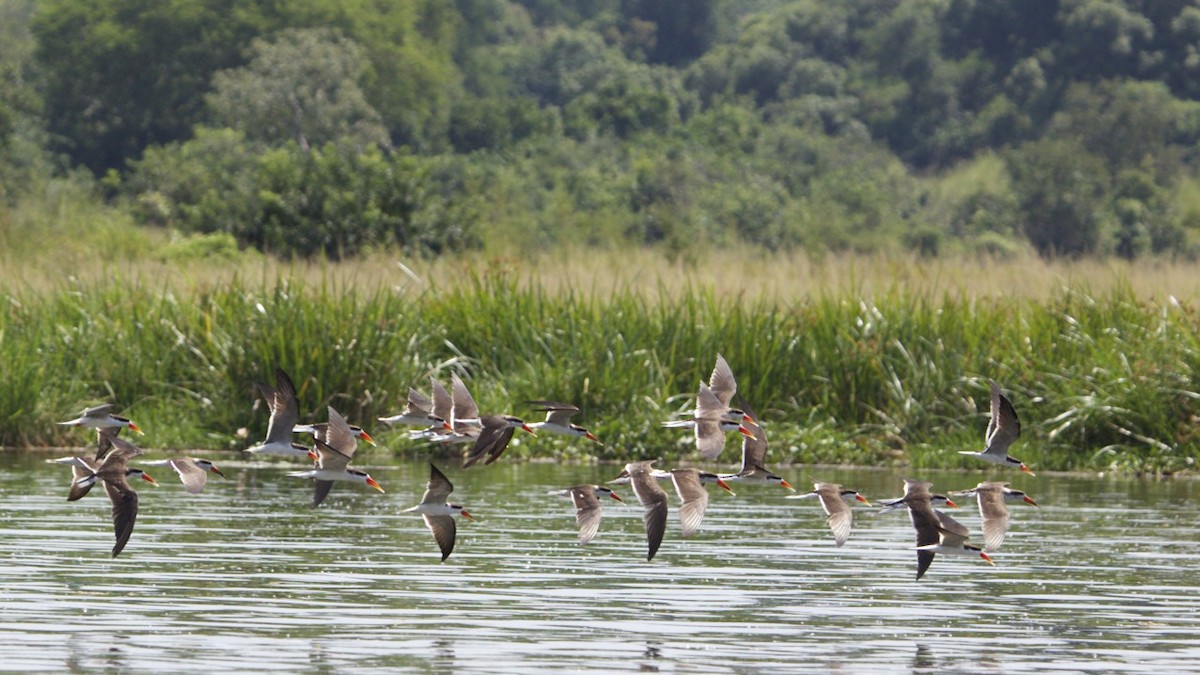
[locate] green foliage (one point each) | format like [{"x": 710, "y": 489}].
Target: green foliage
[
  {"x": 334, "y": 200},
  {"x": 124, "y": 75},
  {"x": 1099, "y": 382},
  {"x": 1061, "y": 187},
  {"x": 300, "y": 87},
  {"x": 788, "y": 124}
]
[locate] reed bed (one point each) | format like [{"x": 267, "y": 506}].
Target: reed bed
[{"x": 890, "y": 374}]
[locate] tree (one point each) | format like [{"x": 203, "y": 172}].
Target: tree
[
  {"x": 124, "y": 74},
  {"x": 1061, "y": 196},
  {"x": 302, "y": 86}
]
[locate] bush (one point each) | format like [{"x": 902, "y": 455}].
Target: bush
[{"x": 334, "y": 201}]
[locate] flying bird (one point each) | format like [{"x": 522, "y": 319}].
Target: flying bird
[
  {"x": 417, "y": 413},
  {"x": 1003, "y": 430},
  {"x": 438, "y": 513},
  {"x": 835, "y": 500},
  {"x": 101, "y": 417},
  {"x": 653, "y": 500},
  {"x": 754, "y": 453},
  {"x": 112, "y": 471},
  {"x": 993, "y": 499},
  {"x": 713, "y": 416},
  {"x": 333, "y": 459},
  {"x": 587, "y": 507},
  {"x": 193, "y": 473},
  {"x": 558, "y": 420},
  {"x": 491, "y": 433},
  {"x": 285, "y": 413}
]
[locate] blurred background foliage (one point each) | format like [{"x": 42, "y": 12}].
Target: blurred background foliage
[{"x": 940, "y": 127}]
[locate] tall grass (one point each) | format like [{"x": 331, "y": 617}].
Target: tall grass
[{"x": 1100, "y": 379}]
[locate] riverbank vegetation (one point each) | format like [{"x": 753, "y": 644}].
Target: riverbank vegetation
[{"x": 896, "y": 374}]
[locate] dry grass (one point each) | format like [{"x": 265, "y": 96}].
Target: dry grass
[{"x": 743, "y": 273}]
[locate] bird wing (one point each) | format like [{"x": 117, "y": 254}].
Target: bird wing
[
  {"x": 1004, "y": 427},
  {"x": 917, "y": 489},
  {"x": 81, "y": 468},
  {"x": 124, "y": 509},
  {"x": 560, "y": 416},
  {"x": 99, "y": 410},
  {"x": 443, "y": 404},
  {"x": 104, "y": 442},
  {"x": 654, "y": 503},
  {"x": 438, "y": 489},
  {"x": 754, "y": 450},
  {"x": 417, "y": 403},
  {"x": 587, "y": 511},
  {"x": 925, "y": 522},
  {"x": 695, "y": 499},
  {"x": 444, "y": 531},
  {"x": 193, "y": 475},
  {"x": 841, "y": 517},
  {"x": 721, "y": 381},
  {"x": 321, "y": 490},
  {"x": 948, "y": 524},
  {"x": 463, "y": 404},
  {"x": 710, "y": 440},
  {"x": 338, "y": 435},
  {"x": 329, "y": 458},
  {"x": 708, "y": 404},
  {"x": 493, "y": 439},
  {"x": 285, "y": 410},
  {"x": 994, "y": 513}
]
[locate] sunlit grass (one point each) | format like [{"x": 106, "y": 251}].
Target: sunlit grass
[
  {"x": 852, "y": 359},
  {"x": 894, "y": 373}
]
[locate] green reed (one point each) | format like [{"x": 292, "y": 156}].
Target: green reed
[{"x": 1099, "y": 382}]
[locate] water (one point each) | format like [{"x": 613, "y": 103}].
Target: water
[{"x": 247, "y": 576}]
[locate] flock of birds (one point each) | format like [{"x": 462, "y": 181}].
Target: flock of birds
[{"x": 453, "y": 417}]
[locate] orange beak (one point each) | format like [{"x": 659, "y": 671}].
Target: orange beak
[
  {"x": 134, "y": 428},
  {"x": 374, "y": 483},
  {"x": 616, "y": 497},
  {"x": 467, "y": 515},
  {"x": 746, "y": 432},
  {"x": 1025, "y": 469},
  {"x": 863, "y": 499},
  {"x": 747, "y": 418},
  {"x": 446, "y": 426},
  {"x": 987, "y": 558},
  {"x": 592, "y": 437},
  {"x": 725, "y": 486},
  {"x": 786, "y": 485},
  {"x": 312, "y": 454},
  {"x": 367, "y": 437},
  {"x": 950, "y": 503},
  {"x": 1029, "y": 500},
  {"x": 526, "y": 427},
  {"x": 146, "y": 477},
  {"x": 217, "y": 471}
]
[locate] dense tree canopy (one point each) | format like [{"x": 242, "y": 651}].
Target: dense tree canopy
[{"x": 813, "y": 123}]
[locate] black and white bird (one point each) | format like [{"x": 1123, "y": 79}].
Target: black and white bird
[
  {"x": 333, "y": 460},
  {"x": 101, "y": 417},
  {"x": 558, "y": 420},
  {"x": 438, "y": 513},
  {"x": 587, "y": 507},
  {"x": 713, "y": 417},
  {"x": 285, "y": 413},
  {"x": 754, "y": 454},
  {"x": 193, "y": 473},
  {"x": 993, "y": 499},
  {"x": 113, "y": 471},
  {"x": 835, "y": 500},
  {"x": 1003, "y": 430},
  {"x": 936, "y": 531}
]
